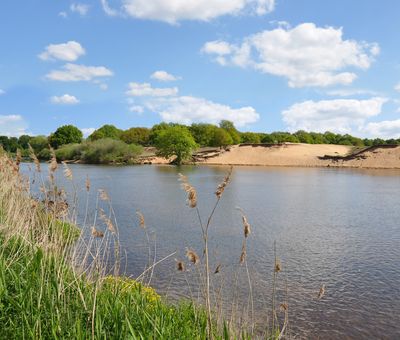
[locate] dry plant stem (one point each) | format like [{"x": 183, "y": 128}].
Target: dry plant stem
[{"x": 274, "y": 291}]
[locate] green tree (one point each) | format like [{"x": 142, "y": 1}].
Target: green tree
[
  {"x": 221, "y": 138},
  {"x": 175, "y": 141},
  {"x": 250, "y": 137},
  {"x": 39, "y": 143},
  {"x": 136, "y": 135},
  {"x": 66, "y": 134},
  {"x": 203, "y": 134},
  {"x": 23, "y": 141},
  {"x": 106, "y": 131},
  {"x": 304, "y": 137},
  {"x": 230, "y": 128}
]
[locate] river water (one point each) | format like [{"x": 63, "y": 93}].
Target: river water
[{"x": 334, "y": 227}]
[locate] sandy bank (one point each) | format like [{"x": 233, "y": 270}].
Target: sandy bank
[{"x": 309, "y": 155}]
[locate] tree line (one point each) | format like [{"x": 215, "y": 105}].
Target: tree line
[{"x": 109, "y": 143}]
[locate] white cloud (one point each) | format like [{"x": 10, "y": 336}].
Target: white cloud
[
  {"x": 2, "y": 92},
  {"x": 66, "y": 99},
  {"x": 81, "y": 9},
  {"x": 146, "y": 90},
  {"x": 108, "y": 10},
  {"x": 306, "y": 55},
  {"x": 164, "y": 76},
  {"x": 347, "y": 92},
  {"x": 74, "y": 72},
  {"x": 384, "y": 129},
  {"x": 397, "y": 87},
  {"x": 87, "y": 131},
  {"x": 173, "y": 11},
  {"x": 12, "y": 125},
  {"x": 137, "y": 109},
  {"x": 338, "y": 115},
  {"x": 63, "y": 14},
  {"x": 103, "y": 87},
  {"x": 69, "y": 51},
  {"x": 188, "y": 109}
]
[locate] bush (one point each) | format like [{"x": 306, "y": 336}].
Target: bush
[
  {"x": 105, "y": 151},
  {"x": 69, "y": 152}
]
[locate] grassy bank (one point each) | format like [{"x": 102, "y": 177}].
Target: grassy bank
[{"x": 42, "y": 295}]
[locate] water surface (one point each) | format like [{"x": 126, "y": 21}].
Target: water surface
[{"x": 338, "y": 227}]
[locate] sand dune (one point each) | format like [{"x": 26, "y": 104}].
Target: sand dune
[{"x": 308, "y": 155}]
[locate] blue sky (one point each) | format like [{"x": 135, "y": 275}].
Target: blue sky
[{"x": 266, "y": 65}]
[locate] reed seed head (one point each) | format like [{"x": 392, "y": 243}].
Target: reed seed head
[
  {"x": 35, "y": 160},
  {"x": 87, "y": 183},
  {"x": 53, "y": 161},
  {"x": 97, "y": 233},
  {"x": 246, "y": 226},
  {"x": 243, "y": 254},
  {"x": 221, "y": 187},
  {"x": 180, "y": 266},
  {"x": 218, "y": 269},
  {"x": 107, "y": 221},
  {"x": 190, "y": 190},
  {"x": 67, "y": 171},
  {"x": 321, "y": 292},
  {"x": 192, "y": 256},
  {"x": 103, "y": 195},
  {"x": 142, "y": 222},
  {"x": 278, "y": 267}
]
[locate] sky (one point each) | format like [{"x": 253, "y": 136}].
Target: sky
[{"x": 266, "y": 65}]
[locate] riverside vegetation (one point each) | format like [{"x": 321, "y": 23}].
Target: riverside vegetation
[
  {"x": 110, "y": 145},
  {"x": 61, "y": 281}
]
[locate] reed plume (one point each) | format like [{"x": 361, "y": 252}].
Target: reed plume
[
  {"x": 34, "y": 158},
  {"x": 142, "y": 222},
  {"x": 221, "y": 187},
  {"x": 190, "y": 190},
  {"x": 192, "y": 256}
]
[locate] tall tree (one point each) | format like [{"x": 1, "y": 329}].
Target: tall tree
[
  {"x": 66, "y": 134},
  {"x": 175, "y": 141}
]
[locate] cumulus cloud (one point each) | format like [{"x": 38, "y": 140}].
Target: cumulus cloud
[
  {"x": 384, "y": 129},
  {"x": 66, "y": 99},
  {"x": 163, "y": 76},
  {"x": 338, "y": 115},
  {"x": 74, "y": 72},
  {"x": 146, "y": 90},
  {"x": 87, "y": 131},
  {"x": 305, "y": 55},
  {"x": 69, "y": 51},
  {"x": 188, "y": 109},
  {"x": 12, "y": 125},
  {"x": 81, "y": 9},
  {"x": 173, "y": 11}
]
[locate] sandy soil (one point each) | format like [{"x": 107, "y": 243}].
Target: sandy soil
[
  {"x": 288, "y": 154},
  {"x": 308, "y": 155}
]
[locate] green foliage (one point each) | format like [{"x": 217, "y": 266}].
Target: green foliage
[
  {"x": 107, "y": 151},
  {"x": 39, "y": 143},
  {"x": 9, "y": 144},
  {"x": 66, "y": 134},
  {"x": 136, "y": 135},
  {"x": 230, "y": 128},
  {"x": 23, "y": 141},
  {"x": 175, "y": 141},
  {"x": 203, "y": 134},
  {"x": 70, "y": 152},
  {"x": 221, "y": 138},
  {"x": 106, "y": 131},
  {"x": 250, "y": 137}
]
